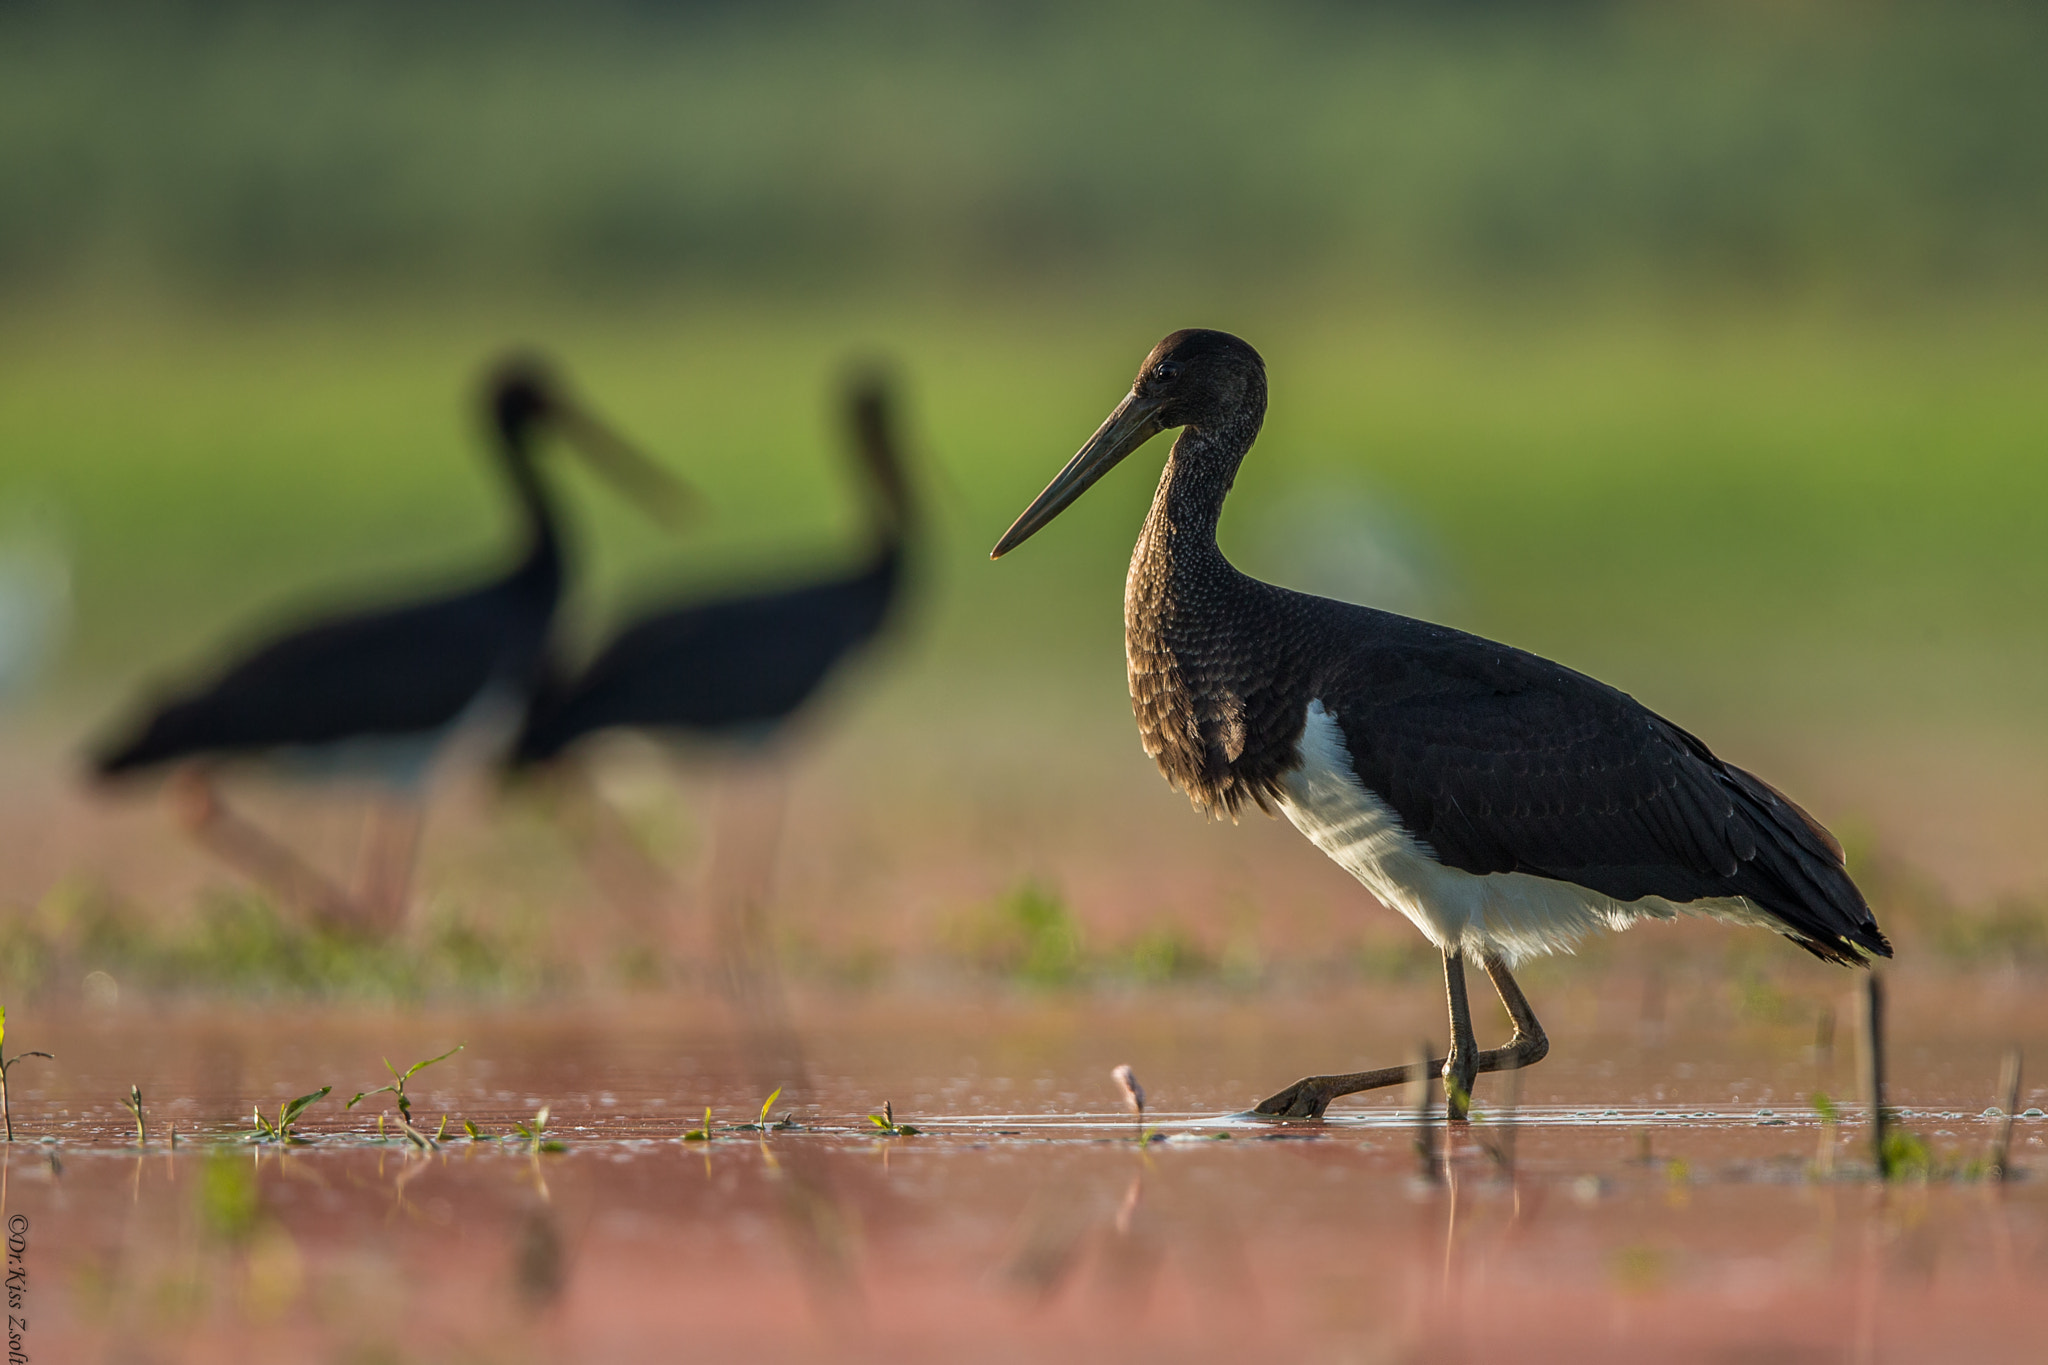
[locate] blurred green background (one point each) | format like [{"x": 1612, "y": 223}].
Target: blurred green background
[{"x": 1699, "y": 345}]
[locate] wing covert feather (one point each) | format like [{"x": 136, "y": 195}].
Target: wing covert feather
[{"x": 1504, "y": 762}]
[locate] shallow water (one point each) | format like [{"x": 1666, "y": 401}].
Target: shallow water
[{"x": 1666, "y": 1195}]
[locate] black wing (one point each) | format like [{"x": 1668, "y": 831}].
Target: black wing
[
  {"x": 1505, "y": 762},
  {"x": 743, "y": 664},
  {"x": 391, "y": 672}
]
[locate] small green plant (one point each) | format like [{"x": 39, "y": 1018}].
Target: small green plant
[
  {"x": 1028, "y": 936},
  {"x": 7, "y": 1065},
  {"x": 1166, "y": 954},
  {"x": 280, "y": 1130},
  {"x": 132, "y": 1102},
  {"x": 701, "y": 1134},
  {"x": 761, "y": 1123},
  {"x": 475, "y": 1133},
  {"x": 397, "y": 1086},
  {"x": 886, "y": 1121},
  {"x": 1904, "y": 1154},
  {"x": 534, "y": 1135}
]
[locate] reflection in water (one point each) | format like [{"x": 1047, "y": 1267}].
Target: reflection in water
[
  {"x": 1116, "y": 1245},
  {"x": 819, "y": 1227},
  {"x": 1038, "y": 1232},
  {"x": 538, "y": 1273},
  {"x": 1048, "y": 1239},
  {"x": 376, "y": 694},
  {"x": 826, "y": 1242}
]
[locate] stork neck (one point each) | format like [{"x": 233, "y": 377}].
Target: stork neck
[
  {"x": 893, "y": 512},
  {"x": 543, "y": 550},
  {"x": 1180, "y": 531}
]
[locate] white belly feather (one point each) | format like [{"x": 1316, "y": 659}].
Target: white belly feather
[{"x": 1513, "y": 915}]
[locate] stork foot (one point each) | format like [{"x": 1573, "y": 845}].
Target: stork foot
[{"x": 1309, "y": 1097}]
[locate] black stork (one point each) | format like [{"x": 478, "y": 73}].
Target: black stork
[
  {"x": 377, "y": 693},
  {"x": 738, "y": 671},
  {"x": 1505, "y": 804},
  {"x": 740, "y": 668}
]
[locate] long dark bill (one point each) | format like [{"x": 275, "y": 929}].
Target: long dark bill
[
  {"x": 658, "y": 493},
  {"x": 1135, "y": 421}
]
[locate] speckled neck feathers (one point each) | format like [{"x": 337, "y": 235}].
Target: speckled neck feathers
[{"x": 1218, "y": 701}]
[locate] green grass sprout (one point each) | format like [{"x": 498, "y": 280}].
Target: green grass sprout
[
  {"x": 1905, "y": 1155},
  {"x": 132, "y": 1102},
  {"x": 534, "y": 1134},
  {"x": 762, "y": 1124},
  {"x": 701, "y": 1134},
  {"x": 280, "y": 1130},
  {"x": 886, "y": 1121},
  {"x": 7, "y": 1065},
  {"x": 397, "y": 1086}
]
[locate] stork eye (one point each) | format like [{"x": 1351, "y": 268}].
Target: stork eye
[{"x": 1166, "y": 371}]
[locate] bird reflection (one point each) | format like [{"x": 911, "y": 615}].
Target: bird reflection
[
  {"x": 739, "y": 671},
  {"x": 1079, "y": 1231},
  {"x": 377, "y": 694}
]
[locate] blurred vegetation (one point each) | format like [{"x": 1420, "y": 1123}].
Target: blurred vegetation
[
  {"x": 1697, "y": 341},
  {"x": 237, "y": 147},
  {"x": 1730, "y": 519},
  {"x": 1031, "y": 937},
  {"x": 84, "y": 943},
  {"x": 2009, "y": 932},
  {"x": 1699, "y": 345},
  {"x": 238, "y": 946}
]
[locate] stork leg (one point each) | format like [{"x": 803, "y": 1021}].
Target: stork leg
[
  {"x": 391, "y": 843},
  {"x": 1307, "y": 1098},
  {"x": 753, "y": 802},
  {"x": 247, "y": 849},
  {"x": 650, "y": 902},
  {"x": 1461, "y": 1067}
]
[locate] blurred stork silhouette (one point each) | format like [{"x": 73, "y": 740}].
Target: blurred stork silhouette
[
  {"x": 740, "y": 671},
  {"x": 741, "y": 668},
  {"x": 376, "y": 694}
]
